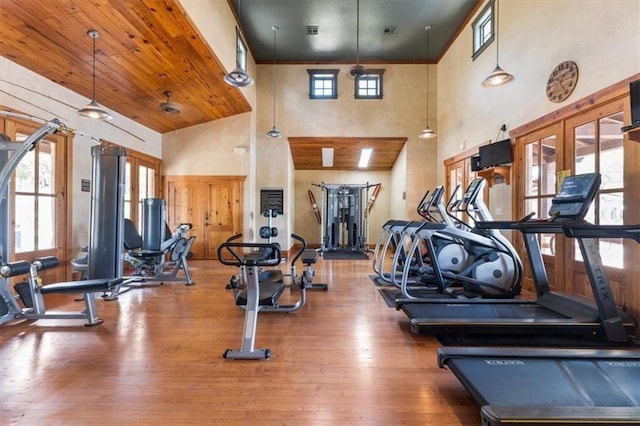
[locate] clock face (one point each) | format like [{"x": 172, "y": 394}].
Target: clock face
[{"x": 562, "y": 81}]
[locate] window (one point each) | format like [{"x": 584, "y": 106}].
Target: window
[
  {"x": 598, "y": 148},
  {"x": 540, "y": 163},
  {"x": 369, "y": 85},
  {"x": 483, "y": 33},
  {"x": 323, "y": 84},
  {"x": 142, "y": 180},
  {"x": 38, "y": 199},
  {"x": 35, "y": 198}
]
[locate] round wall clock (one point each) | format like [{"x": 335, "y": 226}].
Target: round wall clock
[{"x": 562, "y": 81}]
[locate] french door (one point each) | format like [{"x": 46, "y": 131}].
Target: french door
[{"x": 39, "y": 201}]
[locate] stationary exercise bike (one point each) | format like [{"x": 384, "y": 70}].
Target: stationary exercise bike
[{"x": 259, "y": 290}]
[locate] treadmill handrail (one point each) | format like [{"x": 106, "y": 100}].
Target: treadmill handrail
[{"x": 588, "y": 230}]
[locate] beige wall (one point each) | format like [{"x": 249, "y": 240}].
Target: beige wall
[
  {"x": 601, "y": 36},
  {"x": 401, "y": 113}
]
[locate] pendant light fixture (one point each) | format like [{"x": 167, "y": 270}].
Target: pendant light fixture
[
  {"x": 94, "y": 109},
  {"x": 274, "y": 132},
  {"x": 238, "y": 78},
  {"x": 499, "y": 76},
  {"x": 427, "y": 133},
  {"x": 357, "y": 70}
]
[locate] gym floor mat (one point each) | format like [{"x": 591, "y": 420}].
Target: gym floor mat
[{"x": 344, "y": 255}]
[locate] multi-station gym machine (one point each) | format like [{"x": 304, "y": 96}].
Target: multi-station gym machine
[{"x": 345, "y": 223}]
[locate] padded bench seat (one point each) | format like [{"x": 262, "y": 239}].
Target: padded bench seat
[
  {"x": 309, "y": 257},
  {"x": 145, "y": 254},
  {"x": 270, "y": 292},
  {"x": 85, "y": 286}
]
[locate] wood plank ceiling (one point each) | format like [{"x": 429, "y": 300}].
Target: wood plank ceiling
[
  {"x": 307, "y": 152},
  {"x": 145, "y": 48}
]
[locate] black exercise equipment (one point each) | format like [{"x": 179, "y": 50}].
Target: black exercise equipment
[
  {"x": 32, "y": 292},
  {"x": 345, "y": 216},
  {"x": 309, "y": 258},
  {"x": 459, "y": 262},
  {"x": 157, "y": 255},
  {"x": 259, "y": 290},
  {"x": 152, "y": 264},
  {"x": 553, "y": 314},
  {"x": 563, "y": 385},
  {"x": 534, "y": 386},
  {"x": 268, "y": 232},
  {"x": 391, "y": 238}
]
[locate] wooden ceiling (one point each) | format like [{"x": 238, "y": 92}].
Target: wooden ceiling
[
  {"x": 145, "y": 48},
  {"x": 307, "y": 152}
]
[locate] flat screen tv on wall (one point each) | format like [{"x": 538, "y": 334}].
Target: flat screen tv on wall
[{"x": 495, "y": 154}]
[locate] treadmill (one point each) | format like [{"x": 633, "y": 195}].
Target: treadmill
[
  {"x": 569, "y": 386},
  {"x": 553, "y": 314}
]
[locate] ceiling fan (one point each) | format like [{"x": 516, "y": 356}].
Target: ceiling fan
[
  {"x": 168, "y": 107},
  {"x": 357, "y": 70}
]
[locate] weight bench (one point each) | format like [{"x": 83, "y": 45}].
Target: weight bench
[
  {"x": 31, "y": 292},
  {"x": 310, "y": 257}
]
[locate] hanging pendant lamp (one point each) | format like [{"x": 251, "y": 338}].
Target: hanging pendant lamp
[
  {"x": 238, "y": 78},
  {"x": 94, "y": 109},
  {"x": 499, "y": 76},
  {"x": 427, "y": 133},
  {"x": 274, "y": 132},
  {"x": 357, "y": 70}
]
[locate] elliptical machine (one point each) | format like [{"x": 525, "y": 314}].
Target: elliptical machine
[
  {"x": 479, "y": 262},
  {"x": 391, "y": 238}
]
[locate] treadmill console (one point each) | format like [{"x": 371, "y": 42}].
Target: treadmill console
[{"x": 575, "y": 196}]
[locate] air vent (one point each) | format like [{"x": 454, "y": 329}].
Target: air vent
[
  {"x": 312, "y": 30},
  {"x": 389, "y": 30}
]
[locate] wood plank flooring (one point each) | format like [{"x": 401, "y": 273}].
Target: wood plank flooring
[{"x": 345, "y": 358}]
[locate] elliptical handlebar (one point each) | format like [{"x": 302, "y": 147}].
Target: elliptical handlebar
[
  {"x": 304, "y": 247},
  {"x": 421, "y": 206},
  {"x": 267, "y": 254}
]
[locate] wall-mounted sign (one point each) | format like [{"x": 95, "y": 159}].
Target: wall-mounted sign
[{"x": 272, "y": 199}]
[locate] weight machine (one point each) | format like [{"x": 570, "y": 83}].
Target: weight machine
[
  {"x": 345, "y": 223},
  {"x": 32, "y": 292}
]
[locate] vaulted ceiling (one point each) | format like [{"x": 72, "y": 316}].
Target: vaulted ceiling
[
  {"x": 148, "y": 47},
  {"x": 144, "y": 49}
]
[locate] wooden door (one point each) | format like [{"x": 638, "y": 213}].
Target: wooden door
[
  {"x": 596, "y": 144},
  {"x": 540, "y": 157},
  {"x": 213, "y": 204}
]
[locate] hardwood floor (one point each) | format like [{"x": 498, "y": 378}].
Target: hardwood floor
[{"x": 345, "y": 358}]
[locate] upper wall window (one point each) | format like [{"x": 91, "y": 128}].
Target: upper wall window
[
  {"x": 369, "y": 85},
  {"x": 323, "y": 84},
  {"x": 241, "y": 52},
  {"x": 483, "y": 33}
]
